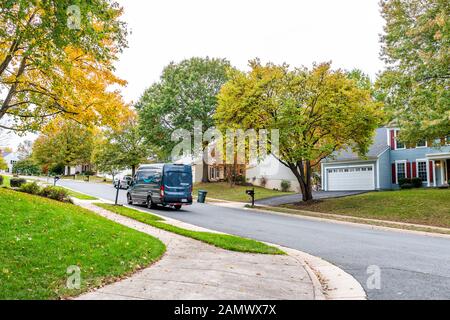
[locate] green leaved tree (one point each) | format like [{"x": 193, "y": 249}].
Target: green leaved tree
[
  {"x": 416, "y": 49},
  {"x": 186, "y": 93}
]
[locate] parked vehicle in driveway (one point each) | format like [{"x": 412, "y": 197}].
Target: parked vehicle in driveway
[
  {"x": 123, "y": 182},
  {"x": 162, "y": 185}
]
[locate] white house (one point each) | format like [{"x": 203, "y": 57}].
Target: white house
[
  {"x": 10, "y": 158},
  {"x": 273, "y": 172}
]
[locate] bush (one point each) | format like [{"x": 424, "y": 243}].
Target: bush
[
  {"x": 239, "y": 180},
  {"x": 55, "y": 193},
  {"x": 285, "y": 185},
  {"x": 417, "y": 182},
  {"x": 31, "y": 188},
  {"x": 17, "y": 182},
  {"x": 1, "y": 180},
  {"x": 407, "y": 183}
]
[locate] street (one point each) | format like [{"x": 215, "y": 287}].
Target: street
[{"x": 412, "y": 266}]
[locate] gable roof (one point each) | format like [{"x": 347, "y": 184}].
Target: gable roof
[{"x": 378, "y": 146}]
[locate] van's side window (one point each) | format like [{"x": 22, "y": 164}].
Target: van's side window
[{"x": 146, "y": 176}]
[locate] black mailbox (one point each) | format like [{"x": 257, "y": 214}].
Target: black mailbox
[{"x": 251, "y": 193}]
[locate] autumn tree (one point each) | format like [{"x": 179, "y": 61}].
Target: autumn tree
[
  {"x": 64, "y": 142},
  {"x": 56, "y": 59},
  {"x": 317, "y": 112},
  {"x": 186, "y": 93},
  {"x": 123, "y": 147},
  {"x": 416, "y": 49}
]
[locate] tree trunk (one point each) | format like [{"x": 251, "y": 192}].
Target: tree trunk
[
  {"x": 205, "y": 172},
  {"x": 303, "y": 173},
  {"x": 133, "y": 170}
]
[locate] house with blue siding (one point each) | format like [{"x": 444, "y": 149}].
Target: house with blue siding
[{"x": 387, "y": 161}]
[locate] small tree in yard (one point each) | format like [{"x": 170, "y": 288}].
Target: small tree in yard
[
  {"x": 317, "y": 111},
  {"x": 122, "y": 148}
]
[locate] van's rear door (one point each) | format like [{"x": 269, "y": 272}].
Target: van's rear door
[{"x": 178, "y": 184}]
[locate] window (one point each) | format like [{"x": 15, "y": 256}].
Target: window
[
  {"x": 398, "y": 143},
  {"x": 447, "y": 140},
  {"x": 421, "y": 144},
  {"x": 422, "y": 170},
  {"x": 401, "y": 171}
]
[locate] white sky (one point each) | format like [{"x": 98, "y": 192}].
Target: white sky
[{"x": 298, "y": 32}]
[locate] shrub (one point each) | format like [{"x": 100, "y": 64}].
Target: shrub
[
  {"x": 410, "y": 183},
  {"x": 17, "y": 182},
  {"x": 417, "y": 182},
  {"x": 239, "y": 180},
  {"x": 285, "y": 185},
  {"x": 55, "y": 193},
  {"x": 263, "y": 182},
  {"x": 1, "y": 180},
  {"x": 31, "y": 188}
]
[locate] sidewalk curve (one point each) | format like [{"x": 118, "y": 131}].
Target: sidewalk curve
[{"x": 192, "y": 270}]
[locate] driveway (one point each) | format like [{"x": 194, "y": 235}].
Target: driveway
[
  {"x": 276, "y": 201},
  {"x": 412, "y": 266}
]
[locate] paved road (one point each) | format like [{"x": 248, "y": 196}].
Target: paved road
[
  {"x": 276, "y": 201},
  {"x": 412, "y": 266}
]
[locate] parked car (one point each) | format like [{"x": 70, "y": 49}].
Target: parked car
[
  {"x": 123, "y": 183},
  {"x": 161, "y": 185}
]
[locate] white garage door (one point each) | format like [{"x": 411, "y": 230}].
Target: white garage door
[{"x": 351, "y": 178}]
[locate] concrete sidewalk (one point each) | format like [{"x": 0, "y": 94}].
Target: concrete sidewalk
[{"x": 194, "y": 270}]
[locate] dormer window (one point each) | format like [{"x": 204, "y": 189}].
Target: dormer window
[
  {"x": 421, "y": 144},
  {"x": 398, "y": 143}
]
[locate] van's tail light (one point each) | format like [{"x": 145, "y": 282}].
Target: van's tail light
[{"x": 161, "y": 191}]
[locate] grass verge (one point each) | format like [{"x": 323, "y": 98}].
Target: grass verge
[
  {"x": 41, "y": 238},
  {"x": 224, "y": 241},
  {"x": 223, "y": 191},
  {"x": 80, "y": 196},
  {"x": 429, "y": 207}
]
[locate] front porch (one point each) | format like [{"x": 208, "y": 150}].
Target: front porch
[{"x": 439, "y": 169}]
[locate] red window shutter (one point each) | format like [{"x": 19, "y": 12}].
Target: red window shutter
[
  {"x": 394, "y": 174},
  {"x": 414, "y": 169},
  {"x": 431, "y": 172},
  {"x": 393, "y": 139},
  {"x": 408, "y": 170}
]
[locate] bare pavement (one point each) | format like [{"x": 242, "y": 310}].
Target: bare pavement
[{"x": 413, "y": 266}]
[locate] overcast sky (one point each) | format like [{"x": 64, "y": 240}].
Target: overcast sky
[{"x": 298, "y": 32}]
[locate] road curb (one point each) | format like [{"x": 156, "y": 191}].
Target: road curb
[{"x": 336, "y": 284}]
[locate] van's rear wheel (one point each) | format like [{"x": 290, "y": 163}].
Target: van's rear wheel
[
  {"x": 150, "y": 203},
  {"x": 129, "y": 199},
  {"x": 177, "y": 207}
]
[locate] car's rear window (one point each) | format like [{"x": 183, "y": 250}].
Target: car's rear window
[{"x": 177, "y": 179}]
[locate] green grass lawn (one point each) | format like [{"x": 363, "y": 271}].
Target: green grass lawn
[
  {"x": 222, "y": 190},
  {"x": 420, "y": 206},
  {"x": 80, "y": 196},
  {"x": 224, "y": 241},
  {"x": 41, "y": 238}
]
